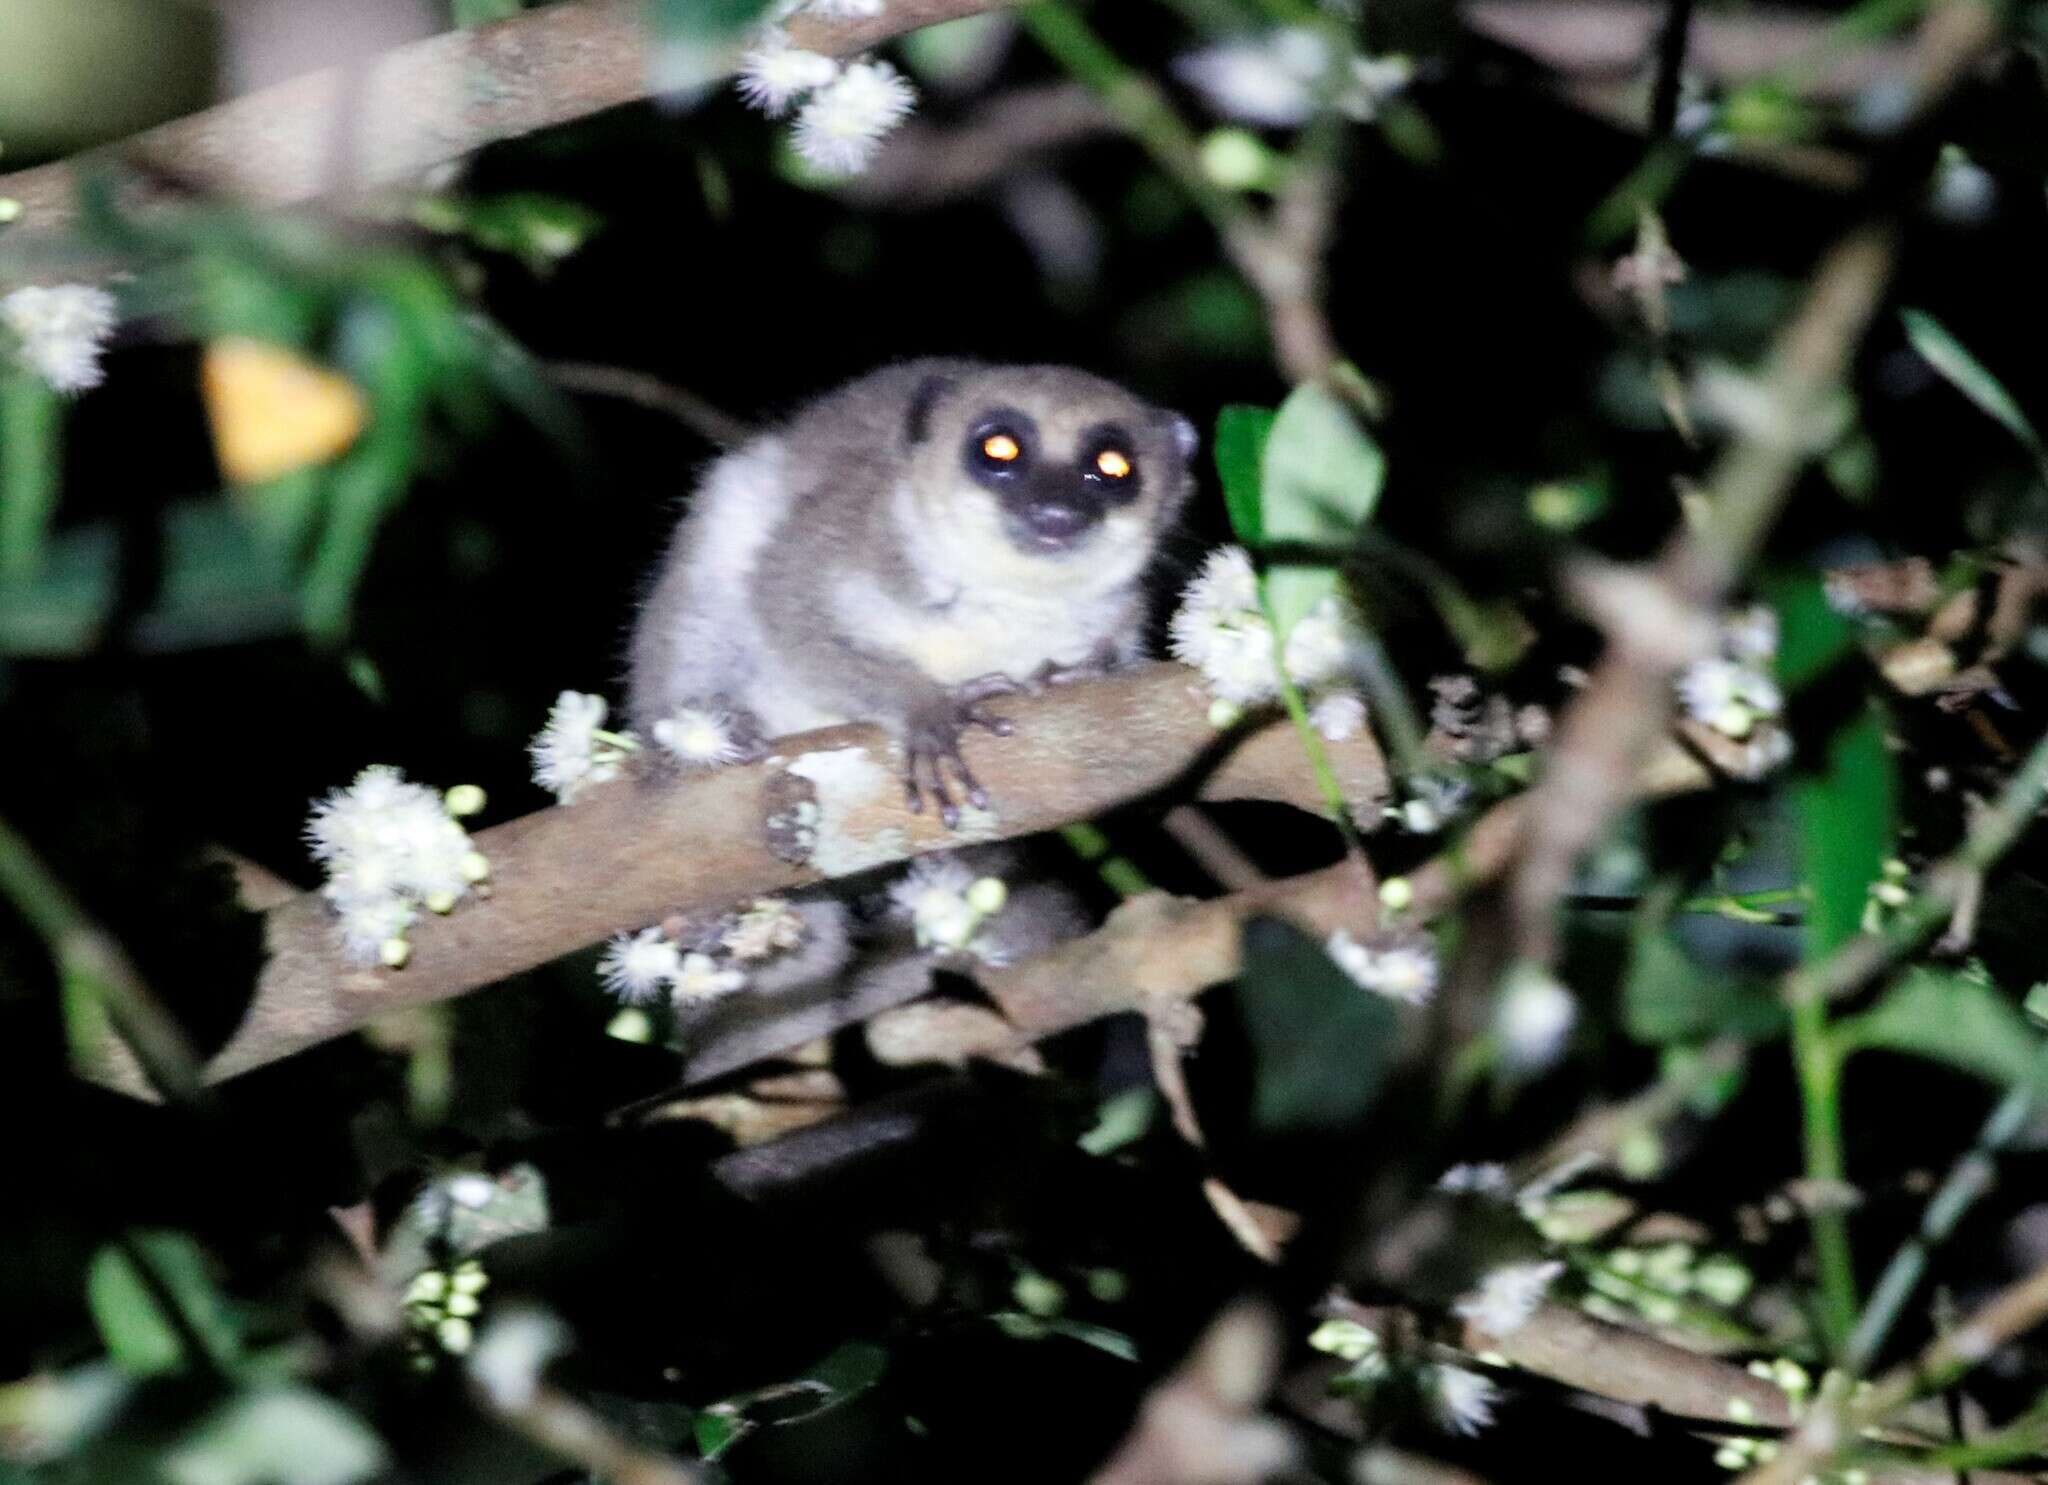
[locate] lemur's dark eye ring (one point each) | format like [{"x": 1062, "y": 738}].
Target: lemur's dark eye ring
[
  {"x": 1113, "y": 464},
  {"x": 1001, "y": 448}
]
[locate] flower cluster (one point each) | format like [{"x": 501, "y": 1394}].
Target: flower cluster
[
  {"x": 59, "y": 332},
  {"x": 1460, "y": 1401},
  {"x": 767, "y": 926},
  {"x": 1656, "y": 1283},
  {"x": 1405, "y": 971},
  {"x": 443, "y": 1304},
  {"x": 1733, "y": 691},
  {"x": 1273, "y": 79},
  {"x": 642, "y": 967},
  {"x": 391, "y": 848},
  {"x": 1221, "y": 630},
  {"x": 574, "y": 751},
  {"x": 947, "y": 905},
  {"x": 846, "y": 109}
]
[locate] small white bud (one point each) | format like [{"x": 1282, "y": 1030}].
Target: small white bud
[
  {"x": 1397, "y": 894},
  {"x": 474, "y": 867},
  {"x": 988, "y": 895},
  {"x": 1224, "y": 714},
  {"x": 394, "y": 952},
  {"x": 464, "y": 800}
]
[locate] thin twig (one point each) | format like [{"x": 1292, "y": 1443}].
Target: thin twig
[{"x": 643, "y": 389}]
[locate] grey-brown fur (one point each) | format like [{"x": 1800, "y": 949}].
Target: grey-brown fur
[{"x": 850, "y": 565}]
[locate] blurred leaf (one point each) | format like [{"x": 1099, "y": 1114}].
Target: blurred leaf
[
  {"x": 1241, "y": 434},
  {"x": 290, "y": 1436},
  {"x": 482, "y": 12},
  {"x": 272, "y": 411},
  {"x": 538, "y": 229},
  {"x": 57, "y": 1411},
  {"x": 1846, "y": 827},
  {"x": 695, "y": 40},
  {"x": 1321, "y": 1046},
  {"x": 1023, "y": 1327},
  {"x": 717, "y": 1430},
  {"x": 1667, "y": 996},
  {"x": 1811, "y": 635},
  {"x": 1320, "y": 478},
  {"x": 1966, "y": 373},
  {"x": 1950, "y": 1017},
  {"x": 31, "y": 464},
  {"x": 1122, "y": 1120},
  {"x": 128, "y": 1305}
]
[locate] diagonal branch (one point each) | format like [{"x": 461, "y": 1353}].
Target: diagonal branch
[
  {"x": 417, "y": 106},
  {"x": 643, "y": 847}
]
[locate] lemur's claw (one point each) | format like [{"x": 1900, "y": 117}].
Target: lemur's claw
[{"x": 933, "y": 744}]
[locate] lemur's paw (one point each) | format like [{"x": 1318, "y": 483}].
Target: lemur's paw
[{"x": 931, "y": 744}]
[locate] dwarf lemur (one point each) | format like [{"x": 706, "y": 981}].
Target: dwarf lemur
[{"x": 906, "y": 547}]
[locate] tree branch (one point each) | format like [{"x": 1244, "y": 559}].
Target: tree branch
[
  {"x": 642, "y": 847},
  {"x": 417, "y": 106}
]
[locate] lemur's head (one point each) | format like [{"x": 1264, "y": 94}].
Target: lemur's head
[{"x": 1072, "y": 478}]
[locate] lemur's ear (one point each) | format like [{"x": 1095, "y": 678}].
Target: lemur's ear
[
  {"x": 916, "y": 422},
  {"x": 1185, "y": 439}
]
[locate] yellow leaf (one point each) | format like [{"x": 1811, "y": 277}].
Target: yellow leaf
[{"x": 273, "y": 411}]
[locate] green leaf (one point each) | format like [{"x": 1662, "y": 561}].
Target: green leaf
[
  {"x": 129, "y": 1309},
  {"x": 1667, "y": 997},
  {"x": 696, "y": 40},
  {"x": 1967, "y": 374},
  {"x": 1811, "y": 635},
  {"x": 717, "y": 1430},
  {"x": 31, "y": 463},
  {"x": 1846, "y": 827},
  {"x": 1122, "y": 1120},
  {"x": 1321, "y": 1046},
  {"x": 290, "y": 1436},
  {"x": 1954, "y": 1018},
  {"x": 1241, "y": 434},
  {"x": 1320, "y": 479}
]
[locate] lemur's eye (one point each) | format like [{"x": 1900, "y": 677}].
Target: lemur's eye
[
  {"x": 1113, "y": 464},
  {"x": 1001, "y": 448}
]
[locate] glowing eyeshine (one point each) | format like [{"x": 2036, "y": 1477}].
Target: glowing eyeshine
[
  {"x": 1111, "y": 464},
  {"x": 59, "y": 332},
  {"x": 1000, "y": 447},
  {"x": 841, "y": 127}
]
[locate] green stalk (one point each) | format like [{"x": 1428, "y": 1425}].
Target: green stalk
[
  {"x": 1819, "y": 1064},
  {"x": 1969, "y": 1179},
  {"x": 31, "y": 452}
]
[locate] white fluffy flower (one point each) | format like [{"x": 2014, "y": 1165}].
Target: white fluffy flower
[
  {"x": 573, "y": 750},
  {"x": 699, "y": 736},
  {"x": 640, "y": 967},
  {"x": 1533, "y": 1017},
  {"x": 1508, "y": 1296},
  {"x": 1462, "y": 1400},
  {"x": 1751, "y": 633},
  {"x": 768, "y": 927},
  {"x": 938, "y": 895},
  {"x": 60, "y": 332},
  {"x": 700, "y": 977},
  {"x": 389, "y": 847},
  {"x": 1375, "y": 81},
  {"x": 844, "y": 10},
  {"x": 775, "y": 73},
  {"x": 1318, "y": 644},
  {"x": 1268, "y": 80},
  {"x": 1220, "y": 630},
  {"x": 1729, "y": 696},
  {"x": 1272, "y": 79},
  {"x": 1338, "y": 716},
  {"x": 841, "y": 127},
  {"x": 1404, "y": 972}
]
